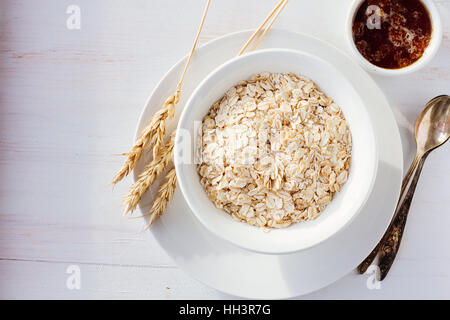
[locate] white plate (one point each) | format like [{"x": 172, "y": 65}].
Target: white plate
[
  {"x": 247, "y": 274},
  {"x": 345, "y": 205}
]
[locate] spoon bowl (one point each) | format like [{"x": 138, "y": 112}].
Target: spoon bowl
[{"x": 432, "y": 127}]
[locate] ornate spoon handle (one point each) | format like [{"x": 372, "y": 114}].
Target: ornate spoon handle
[
  {"x": 363, "y": 266},
  {"x": 391, "y": 245}
]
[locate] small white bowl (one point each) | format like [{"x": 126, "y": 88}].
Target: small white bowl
[
  {"x": 428, "y": 55},
  {"x": 346, "y": 204}
]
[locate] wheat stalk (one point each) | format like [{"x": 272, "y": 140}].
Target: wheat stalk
[
  {"x": 261, "y": 37},
  {"x": 149, "y": 176},
  {"x": 278, "y": 8},
  {"x": 163, "y": 197}
]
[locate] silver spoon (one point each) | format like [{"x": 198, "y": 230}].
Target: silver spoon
[{"x": 432, "y": 129}]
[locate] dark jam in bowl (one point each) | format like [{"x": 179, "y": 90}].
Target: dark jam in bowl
[{"x": 392, "y": 34}]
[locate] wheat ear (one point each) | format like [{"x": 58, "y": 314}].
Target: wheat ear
[
  {"x": 163, "y": 197},
  {"x": 155, "y": 130},
  {"x": 148, "y": 177}
]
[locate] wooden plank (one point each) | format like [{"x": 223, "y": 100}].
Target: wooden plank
[{"x": 44, "y": 280}]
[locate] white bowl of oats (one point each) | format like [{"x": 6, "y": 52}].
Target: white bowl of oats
[{"x": 275, "y": 151}]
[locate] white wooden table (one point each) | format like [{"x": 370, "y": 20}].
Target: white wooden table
[{"x": 70, "y": 100}]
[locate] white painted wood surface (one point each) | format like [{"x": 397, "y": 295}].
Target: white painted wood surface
[{"x": 70, "y": 100}]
